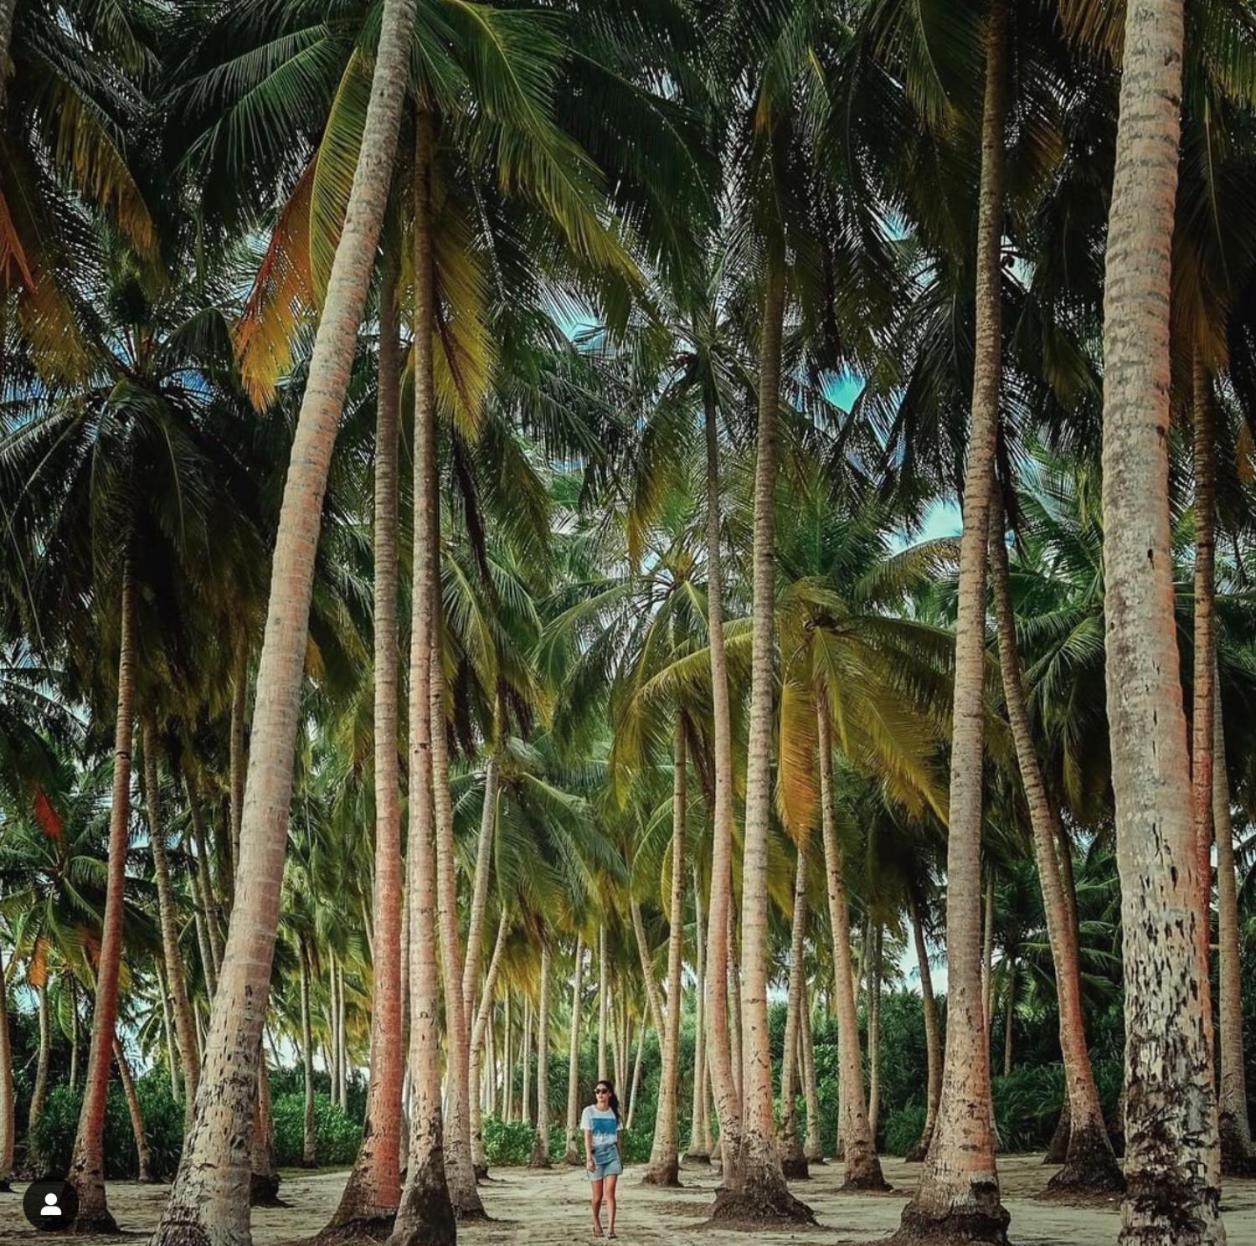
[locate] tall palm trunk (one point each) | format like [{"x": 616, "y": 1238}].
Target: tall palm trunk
[
  {"x": 7, "y": 10},
  {"x": 371, "y": 1195},
  {"x": 525, "y": 1060},
  {"x": 426, "y": 1213},
  {"x": 74, "y": 1030},
  {"x": 575, "y": 1142},
  {"x": 541, "y": 1147},
  {"x": 479, "y": 890},
  {"x": 8, "y": 1119},
  {"x": 1238, "y": 1154},
  {"x": 857, "y": 1145},
  {"x": 664, "y": 1166},
  {"x": 603, "y": 998},
  {"x": 263, "y": 1174},
  {"x": 204, "y": 882},
  {"x": 87, "y": 1165},
  {"x": 699, "y": 1151},
  {"x": 508, "y": 1070},
  {"x": 874, "y": 1032},
  {"x": 309, "y": 1154},
  {"x": 143, "y": 1155},
  {"x": 238, "y": 757},
  {"x": 793, "y": 1161},
  {"x": 719, "y": 1040},
  {"x": 653, "y": 999},
  {"x": 812, "y": 1147},
  {"x": 758, "y": 1188},
  {"x": 39, "y": 1091},
  {"x": 1172, "y": 1162},
  {"x": 959, "y": 1190},
  {"x": 636, "y": 1073},
  {"x": 209, "y": 1202},
  {"x": 933, "y": 1037},
  {"x": 167, "y": 1026},
  {"x": 185, "y": 1027},
  {"x": 1089, "y": 1162},
  {"x": 480, "y": 1029},
  {"x": 1009, "y": 1012}
]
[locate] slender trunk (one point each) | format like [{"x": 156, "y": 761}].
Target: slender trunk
[
  {"x": 1009, "y": 1004},
  {"x": 525, "y": 1058},
  {"x": 202, "y": 947},
  {"x": 344, "y": 1039},
  {"x": 724, "y": 1072},
  {"x": 479, "y": 891},
  {"x": 7, "y": 10},
  {"x": 1172, "y": 1162},
  {"x": 426, "y": 1214},
  {"x": 657, "y": 1018},
  {"x": 813, "y": 1148},
  {"x": 87, "y": 1167},
  {"x": 858, "y": 1146},
  {"x": 508, "y": 1075},
  {"x": 263, "y": 1175},
  {"x": 309, "y": 1155},
  {"x": 933, "y": 1037},
  {"x": 602, "y": 988},
  {"x": 987, "y": 957},
  {"x": 699, "y": 1149},
  {"x": 759, "y": 1184},
  {"x": 482, "y": 1027},
  {"x": 74, "y": 1030},
  {"x": 8, "y": 1119},
  {"x": 39, "y": 1092},
  {"x": 734, "y": 1023},
  {"x": 616, "y": 1044},
  {"x": 793, "y": 1161},
  {"x": 185, "y": 1027},
  {"x": 167, "y": 1025},
  {"x": 204, "y": 882},
  {"x": 664, "y": 1166},
  {"x": 959, "y": 1189},
  {"x": 874, "y": 1033},
  {"x": 209, "y": 1202},
  {"x": 636, "y": 1073},
  {"x": 1238, "y": 1154},
  {"x": 1089, "y": 1162},
  {"x": 238, "y": 756},
  {"x": 575, "y": 1140},
  {"x": 541, "y": 1148},
  {"x": 144, "y": 1157}
]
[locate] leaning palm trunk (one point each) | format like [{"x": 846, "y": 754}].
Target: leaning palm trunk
[
  {"x": 480, "y": 1029},
  {"x": 8, "y": 1118},
  {"x": 185, "y": 1027},
  {"x": 718, "y": 1037},
  {"x": 857, "y": 1146},
  {"x": 39, "y": 1092},
  {"x": 87, "y": 1166},
  {"x": 758, "y": 1187},
  {"x": 793, "y": 1161},
  {"x": 479, "y": 891},
  {"x": 1238, "y": 1154},
  {"x": 167, "y": 1026},
  {"x": 209, "y": 1203},
  {"x": 958, "y": 1196},
  {"x": 1172, "y": 1161},
  {"x": 370, "y": 1197},
  {"x": 204, "y": 883},
  {"x": 636, "y": 1074},
  {"x": 699, "y": 1151},
  {"x": 664, "y": 1166},
  {"x": 426, "y": 1213},
  {"x": 933, "y": 1038},
  {"x": 541, "y": 1146},
  {"x": 575, "y": 1147},
  {"x": 143, "y": 1156},
  {"x": 1089, "y": 1162}
]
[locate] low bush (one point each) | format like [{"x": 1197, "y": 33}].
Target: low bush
[{"x": 336, "y": 1135}]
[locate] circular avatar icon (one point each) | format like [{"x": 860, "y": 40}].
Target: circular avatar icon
[{"x": 50, "y": 1206}]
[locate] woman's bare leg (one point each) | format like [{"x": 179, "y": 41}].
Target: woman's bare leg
[
  {"x": 611, "y": 1183},
  {"x": 597, "y": 1208}
]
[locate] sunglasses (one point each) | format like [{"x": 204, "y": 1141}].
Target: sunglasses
[{"x": 602, "y": 1090}]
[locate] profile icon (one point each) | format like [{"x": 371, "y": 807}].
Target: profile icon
[{"x": 50, "y": 1205}]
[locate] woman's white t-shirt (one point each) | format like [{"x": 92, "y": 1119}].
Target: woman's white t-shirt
[{"x": 602, "y": 1124}]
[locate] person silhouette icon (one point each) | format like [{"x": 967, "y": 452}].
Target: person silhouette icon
[{"x": 50, "y": 1207}]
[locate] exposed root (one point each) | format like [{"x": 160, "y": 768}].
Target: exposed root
[
  {"x": 866, "y": 1183},
  {"x": 180, "y": 1233},
  {"x": 795, "y": 1167},
  {"x": 1090, "y": 1170},
  {"x": 359, "y": 1229},
  {"x": 264, "y": 1190},
  {"x": 758, "y": 1206},
  {"x": 956, "y": 1229},
  {"x": 666, "y": 1176},
  {"x": 99, "y": 1225}
]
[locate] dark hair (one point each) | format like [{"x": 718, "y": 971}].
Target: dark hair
[{"x": 610, "y": 1085}]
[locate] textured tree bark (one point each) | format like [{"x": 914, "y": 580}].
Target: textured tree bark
[
  {"x": 725, "y": 1076},
  {"x": 734, "y": 1021},
  {"x": 646, "y": 957},
  {"x": 87, "y": 1165},
  {"x": 167, "y": 1026},
  {"x": 793, "y": 1161},
  {"x": 758, "y": 1189},
  {"x": 699, "y": 1151},
  {"x": 209, "y": 1204},
  {"x": 144, "y": 1159},
  {"x": 959, "y": 1189},
  {"x": 8, "y": 1118},
  {"x": 1089, "y": 1161},
  {"x": 1238, "y": 1154},
  {"x": 185, "y": 1027},
  {"x": 426, "y": 1215},
  {"x": 575, "y": 1142},
  {"x": 541, "y": 1147},
  {"x": 1172, "y": 1161},
  {"x": 664, "y": 1166},
  {"x": 369, "y": 1202},
  {"x": 933, "y": 1036},
  {"x": 857, "y": 1146},
  {"x": 812, "y": 1146}
]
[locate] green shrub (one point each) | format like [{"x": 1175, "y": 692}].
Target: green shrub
[
  {"x": 507, "y": 1143},
  {"x": 1027, "y": 1106},
  {"x": 902, "y": 1129},
  {"x": 336, "y": 1135}
]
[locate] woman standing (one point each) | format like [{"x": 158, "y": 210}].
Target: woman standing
[{"x": 600, "y": 1124}]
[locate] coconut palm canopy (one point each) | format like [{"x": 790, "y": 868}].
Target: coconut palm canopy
[{"x": 703, "y": 545}]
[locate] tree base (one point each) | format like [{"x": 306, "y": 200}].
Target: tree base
[
  {"x": 359, "y": 1229},
  {"x": 795, "y": 1167},
  {"x": 696, "y": 1158},
  {"x": 426, "y": 1215},
  {"x": 1090, "y": 1167},
  {"x": 666, "y": 1175},
  {"x": 1057, "y": 1151},
  {"x": 867, "y": 1183},
  {"x": 1238, "y": 1154},
  {"x": 758, "y": 1205},
  {"x": 955, "y": 1229},
  {"x": 481, "y": 1173},
  {"x": 918, "y": 1153},
  {"x": 99, "y": 1225},
  {"x": 174, "y": 1233}
]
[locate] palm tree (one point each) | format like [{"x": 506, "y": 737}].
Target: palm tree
[{"x": 1169, "y": 1079}]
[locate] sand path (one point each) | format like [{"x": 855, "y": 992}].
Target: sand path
[{"x": 551, "y": 1209}]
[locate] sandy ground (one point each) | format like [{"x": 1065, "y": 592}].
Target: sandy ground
[{"x": 551, "y": 1209}]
